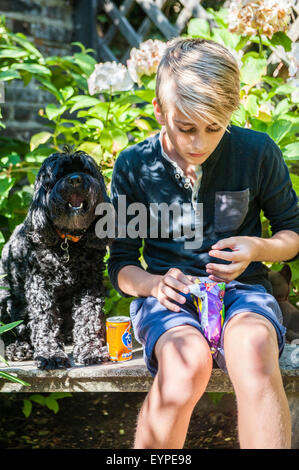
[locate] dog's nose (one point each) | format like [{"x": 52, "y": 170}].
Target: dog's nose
[{"x": 75, "y": 180}]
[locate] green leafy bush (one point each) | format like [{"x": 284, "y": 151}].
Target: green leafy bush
[
  {"x": 50, "y": 401},
  {"x": 105, "y": 124}
]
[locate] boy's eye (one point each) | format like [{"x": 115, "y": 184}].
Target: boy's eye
[
  {"x": 213, "y": 129},
  {"x": 192, "y": 129}
]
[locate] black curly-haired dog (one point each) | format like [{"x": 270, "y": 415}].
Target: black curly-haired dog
[{"x": 54, "y": 267}]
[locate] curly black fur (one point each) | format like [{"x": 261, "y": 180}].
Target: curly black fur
[{"x": 58, "y": 300}]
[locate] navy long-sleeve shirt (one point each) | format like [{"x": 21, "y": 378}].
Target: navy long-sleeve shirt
[{"x": 245, "y": 174}]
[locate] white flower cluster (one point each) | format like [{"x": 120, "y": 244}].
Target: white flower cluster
[
  {"x": 113, "y": 76},
  {"x": 266, "y": 17},
  {"x": 145, "y": 60},
  {"x": 109, "y": 76},
  {"x": 294, "y": 71}
]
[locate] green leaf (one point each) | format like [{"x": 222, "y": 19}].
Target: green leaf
[
  {"x": 53, "y": 111},
  {"x": 38, "y": 139},
  {"x": 13, "y": 53},
  {"x": 5, "y": 186},
  {"x": 85, "y": 62},
  {"x": 199, "y": 27},
  {"x": 95, "y": 123},
  {"x": 67, "y": 92},
  {"x": 2, "y": 359},
  {"x": 251, "y": 105},
  {"x": 281, "y": 38},
  {"x": 291, "y": 151},
  {"x": 35, "y": 69},
  {"x": 9, "y": 326},
  {"x": 59, "y": 395},
  {"x": 21, "y": 39},
  {"x": 27, "y": 408},
  {"x": 52, "y": 404},
  {"x": 145, "y": 95},
  {"x": 47, "y": 85},
  {"x": 83, "y": 101},
  {"x": 12, "y": 378},
  {"x": 223, "y": 36},
  {"x": 9, "y": 75},
  {"x": 100, "y": 110},
  {"x": 106, "y": 139},
  {"x": 282, "y": 107},
  {"x": 279, "y": 129},
  {"x": 120, "y": 139},
  {"x": 295, "y": 179},
  {"x": 37, "y": 398},
  {"x": 285, "y": 89},
  {"x": 11, "y": 159},
  {"x": 93, "y": 149},
  {"x": 253, "y": 69},
  {"x": 239, "y": 116},
  {"x": 31, "y": 175}
]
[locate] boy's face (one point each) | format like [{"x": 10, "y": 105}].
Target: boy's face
[{"x": 192, "y": 141}]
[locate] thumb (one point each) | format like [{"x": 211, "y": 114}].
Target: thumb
[{"x": 225, "y": 243}]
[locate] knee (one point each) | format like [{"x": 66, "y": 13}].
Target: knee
[
  {"x": 251, "y": 349},
  {"x": 184, "y": 373}
]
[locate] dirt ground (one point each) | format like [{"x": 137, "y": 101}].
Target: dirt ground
[{"x": 107, "y": 421}]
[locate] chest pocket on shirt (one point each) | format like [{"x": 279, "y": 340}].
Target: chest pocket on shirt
[{"x": 230, "y": 209}]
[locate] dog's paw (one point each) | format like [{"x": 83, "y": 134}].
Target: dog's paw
[
  {"x": 19, "y": 351},
  {"x": 55, "y": 361},
  {"x": 93, "y": 356}
]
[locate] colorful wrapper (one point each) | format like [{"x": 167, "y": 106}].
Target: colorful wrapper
[{"x": 208, "y": 299}]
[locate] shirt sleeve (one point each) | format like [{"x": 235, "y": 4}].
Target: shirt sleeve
[
  {"x": 278, "y": 199},
  {"x": 124, "y": 250}
]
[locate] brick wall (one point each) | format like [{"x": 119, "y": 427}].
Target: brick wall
[{"x": 49, "y": 24}]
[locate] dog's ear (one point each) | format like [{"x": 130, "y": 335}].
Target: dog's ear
[
  {"x": 37, "y": 223},
  {"x": 286, "y": 273}
]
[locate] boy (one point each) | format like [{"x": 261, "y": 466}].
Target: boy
[{"x": 231, "y": 174}]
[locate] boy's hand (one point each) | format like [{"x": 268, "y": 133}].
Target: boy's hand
[
  {"x": 168, "y": 287},
  {"x": 243, "y": 252}
]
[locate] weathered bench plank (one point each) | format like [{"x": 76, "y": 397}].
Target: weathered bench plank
[{"x": 129, "y": 376}]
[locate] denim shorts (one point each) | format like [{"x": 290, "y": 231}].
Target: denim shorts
[{"x": 150, "y": 319}]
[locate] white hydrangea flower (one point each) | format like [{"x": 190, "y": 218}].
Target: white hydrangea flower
[
  {"x": 295, "y": 94},
  {"x": 266, "y": 17},
  {"x": 145, "y": 60},
  {"x": 293, "y": 56},
  {"x": 109, "y": 76}
]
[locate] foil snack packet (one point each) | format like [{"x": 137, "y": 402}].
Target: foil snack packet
[{"x": 208, "y": 299}]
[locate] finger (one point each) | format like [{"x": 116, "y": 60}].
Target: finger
[
  {"x": 226, "y": 255},
  {"x": 173, "y": 294},
  {"x": 224, "y": 243},
  {"x": 169, "y": 305},
  {"x": 225, "y": 269},
  {"x": 192, "y": 278},
  {"x": 179, "y": 275},
  {"x": 178, "y": 284},
  {"x": 218, "y": 279}
]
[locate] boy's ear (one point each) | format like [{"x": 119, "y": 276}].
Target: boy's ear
[{"x": 158, "y": 112}]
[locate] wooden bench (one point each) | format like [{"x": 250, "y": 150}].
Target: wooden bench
[{"x": 133, "y": 376}]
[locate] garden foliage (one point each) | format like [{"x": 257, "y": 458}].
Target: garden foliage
[{"x": 103, "y": 121}]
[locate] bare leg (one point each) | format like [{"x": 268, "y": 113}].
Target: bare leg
[
  {"x": 185, "y": 366},
  {"x": 251, "y": 351}
]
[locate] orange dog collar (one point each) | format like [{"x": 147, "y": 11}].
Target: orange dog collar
[{"x": 73, "y": 238}]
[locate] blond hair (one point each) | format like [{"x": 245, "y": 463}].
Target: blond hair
[{"x": 205, "y": 79}]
